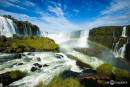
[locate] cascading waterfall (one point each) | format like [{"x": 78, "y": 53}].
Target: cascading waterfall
[
  {"x": 116, "y": 47},
  {"x": 82, "y": 42},
  {"x": 30, "y": 30},
  {"x": 114, "y": 32},
  {"x": 122, "y": 50},
  {"x": 44, "y": 34},
  {"x": 7, "y": 27},
  {"x": 59, "y": 37},
  {"x": 25, "y": 30},
  {"x": 124, "y": 32},
  {"x": 55, "y": 67}
]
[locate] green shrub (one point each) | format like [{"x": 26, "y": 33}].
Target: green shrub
[
  {"x": 29, "y": 43},
  {"x": 59, "y": 82},
  {"x": 105, "y": 69},
  {"x": 17, "y": 74},
  {"x": 3, "y": 38},
  {"x": 122, "y": 75}
]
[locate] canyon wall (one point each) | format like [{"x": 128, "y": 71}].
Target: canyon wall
[
  {"x": 116, "y": 38},
  {"x": 10, "y": 26}
]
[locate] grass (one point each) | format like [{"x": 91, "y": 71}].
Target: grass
[
  {"x": 59, "y": 82},
  {"x": 17, "y": 74},
  {"x": 29, "y": 43},
  {"x": 122, "y": 75},
  {"x": 105, "y": 69}
]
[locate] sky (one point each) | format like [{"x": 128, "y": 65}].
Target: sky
[{"x": 68, "y": 15}]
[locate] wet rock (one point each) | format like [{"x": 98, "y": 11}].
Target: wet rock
[
  {"x": 38, "y": 65},
  {"x": 27, "y": 59},
  {"x": 38, "y": 59},
  {"x": 5, "y": 78},
  {"x": 59, "y": 56},
  {"x": 23, "y": 54},
  {"x": 83, "y": 65},
  {"x": 92, "y": 80},
  {"x": 69, "y": 73},
  {"x": 31, "y": 54},
  {"x": 45, "y": 65},
  {"x": 70, "y": 56},
  {"x": 18, "y": 56},
  {"x": 19, "y": 63},
  {"x": 89, "y": 70},
  {"x": 33, "y": 69}
]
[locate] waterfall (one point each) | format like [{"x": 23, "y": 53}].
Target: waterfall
[
  {"x": 116, "y": 46},
  {"x": 124, "y": 32},
  {"x": 114, "y": 32},
  {"x": 7, "y": 27},
  {"x": 44, "y": 34},
  {"x": 122, "y": 50},
  {"x": 56, "y": 66},
  {"x": 30, "y": 30},
  {"x": 25, "y": 30},
  {"x": 82, "y": 42},
  {"x": 59, "y": 37}
]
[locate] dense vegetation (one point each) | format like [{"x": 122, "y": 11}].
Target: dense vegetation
[
  {"x": 17, "y": 74},
  {"x": 29, "y": 43},
  {"x": 22, "y": 25},
  {"x": 122, "y": 75},
  {"x": 59, "y": 82},
  {"x": 9, "y": 77},
  {"x": 114, "y": 73},
  {"x": 104, "y": 69},
  {"x": 108, "y": 36},
  {"x": 104, "y": 35}
]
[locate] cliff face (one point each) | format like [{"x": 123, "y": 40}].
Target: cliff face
[
  {"x": 115, "y": 38},
  {"x": 10, "y": 26},
  {"x": 24, "y": 28}
]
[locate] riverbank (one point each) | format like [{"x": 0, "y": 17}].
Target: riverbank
[{"x": 27, "y": 44}]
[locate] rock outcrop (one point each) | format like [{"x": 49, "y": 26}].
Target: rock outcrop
[{"x": 115, "y": 38}]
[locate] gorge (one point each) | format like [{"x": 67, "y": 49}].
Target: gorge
[{"x": 47, "y": 62}]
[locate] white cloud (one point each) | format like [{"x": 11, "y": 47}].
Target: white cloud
[
  {"x": 117, "y": 14},
  {"x": 17, "y": 4},
  {"x": 117, "y": 5},
  {"x": 28, "y": 3},
  {"x": 109, "y": 21},
  {"x": 10, "y": 4},
  {"x": 57, "y": 10},
  {"x": 77, "y": 11},
  {"x": 22, "y": 17}
]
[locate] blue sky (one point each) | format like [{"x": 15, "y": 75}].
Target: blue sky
[{"x": 68, "y": 15}]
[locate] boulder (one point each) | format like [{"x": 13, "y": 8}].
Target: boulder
[
  {"x": 92, "y": 80},
  {"x": 38, "y": 59},
  {"x": 31, "y": 54},
  {"x": 38, "y": 65},
  {"x": 68, "y": 74},
  {"x": 33, "y": 69},
  {"x": 83, "y": 65},
  {"x": 18, "y": 56},
  {"x": 89, "y": 70},
  {"x": 5, "y": 78},
  {"x": 45, "y": 65},
  {"x": 59, "y": 56},
  {"x": 19, "y": 63}
]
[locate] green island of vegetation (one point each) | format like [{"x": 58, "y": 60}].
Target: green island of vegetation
[{"x": 27, "y": 44}]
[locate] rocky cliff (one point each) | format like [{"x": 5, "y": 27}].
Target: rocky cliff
[
  {"x": 10, "y": 26},
  {"x": 116, "y": 38}
]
